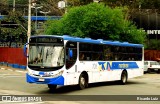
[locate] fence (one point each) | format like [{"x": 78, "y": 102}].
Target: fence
[
  {"x": 13, "y": 57},
  {"x": 152, "y": 55}
]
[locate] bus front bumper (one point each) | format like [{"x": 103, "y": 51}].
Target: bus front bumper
[{"x": 57, "y": 81}]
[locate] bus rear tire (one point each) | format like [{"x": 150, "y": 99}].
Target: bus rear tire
[
  {"x": 149, "y": 70},
  {"x": 52, "y": 87},
  {"x": 83, "y": 81},
  {"x": 124, "y": 78}
]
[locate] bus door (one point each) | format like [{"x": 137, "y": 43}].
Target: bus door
[{"x": 71, "y": 57}]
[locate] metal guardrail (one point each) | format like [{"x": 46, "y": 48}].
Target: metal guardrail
[{"x": 13, "y": 44}]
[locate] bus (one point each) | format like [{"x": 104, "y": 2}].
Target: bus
[{"x": 65, "y": 60}]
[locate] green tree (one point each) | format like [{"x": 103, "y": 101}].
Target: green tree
[
  {"x": 14, "y": 28},
  {"x": 3, "y": 6},
  {"x": 17, "y": 1},
  {"x": 154, "y": 44},
  {"x": 97, "y": 21}
]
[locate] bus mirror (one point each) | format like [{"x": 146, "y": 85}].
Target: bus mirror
[
  {"x": 70, "y": 53},
  {"x": 25, "y": 50}
]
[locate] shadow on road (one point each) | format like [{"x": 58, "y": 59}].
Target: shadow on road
[{"x": 68, "y": 89}]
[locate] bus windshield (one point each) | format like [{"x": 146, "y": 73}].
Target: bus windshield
[{"x": 41, "y": 55}]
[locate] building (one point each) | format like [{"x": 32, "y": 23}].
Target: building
[{"x": 149, "y": 20}]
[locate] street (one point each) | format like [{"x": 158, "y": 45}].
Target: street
[{"x": 14, "y": 83}]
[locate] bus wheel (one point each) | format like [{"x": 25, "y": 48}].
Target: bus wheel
[
  {"x": 83, "y": 82},
  {"x": 52, "y": 87},
  {"x": 149, "y": 70},
  {"x": 124, "y": 78}
]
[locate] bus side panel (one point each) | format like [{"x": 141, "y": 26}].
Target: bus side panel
[
  {"x": 135, "y": 72},
  {"x": 98, "y": 72},
  {"x": 72, "y": 75}
]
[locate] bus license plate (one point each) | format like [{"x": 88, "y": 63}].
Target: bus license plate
[{"x": 41, "y": 79}]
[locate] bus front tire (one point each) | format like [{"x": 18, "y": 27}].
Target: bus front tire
[
  {"x": 124, "y": 78},
  {"x": 52, "y": 87},
  {"x": 83, "y": 81}
]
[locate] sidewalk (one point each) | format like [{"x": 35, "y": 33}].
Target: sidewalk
[{"x": 2, "y": 67}]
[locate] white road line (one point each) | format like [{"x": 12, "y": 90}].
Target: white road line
[
  {"x": 23, "y": 71},
  {"x": 4, "y": 74},
  {"x": 3, "y": 68},
  {"x": 13, "y": 76},
  {"x": 20, "y": 71},
  {"x": 10, "y": 69},
  {"x": 10, "y": 76},
  {"x": 13, "y": 102}
]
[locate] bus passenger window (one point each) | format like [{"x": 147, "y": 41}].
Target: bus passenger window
[{"x": 81, "y": 56}]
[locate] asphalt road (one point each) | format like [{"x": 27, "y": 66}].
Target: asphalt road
[{"x": 14, "y": 83}]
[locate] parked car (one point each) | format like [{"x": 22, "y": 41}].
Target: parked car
[{"x": 151, "y": 66}]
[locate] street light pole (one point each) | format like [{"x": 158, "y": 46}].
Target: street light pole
[
  {"x": 36, "y": 8},
  {"x": 36, "y": 20},
  {"x": 97, "y": 1},
  {"x": 45, "y": 13}
]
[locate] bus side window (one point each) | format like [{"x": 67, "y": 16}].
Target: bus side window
[
  {"x": 81, "y": 56},
  {"x": 107, "y": 52}
]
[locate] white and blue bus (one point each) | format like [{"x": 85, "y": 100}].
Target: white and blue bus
[{"x": 64, "y": 60}]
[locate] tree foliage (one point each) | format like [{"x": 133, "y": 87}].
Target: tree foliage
[
  {"x": 154, "y": 44},
  {"x": 3, "y": 6},
  {"x": 97, "y": 21},
  {"x": 15, "y": 28},
  {"x": 52, "y": 5}
]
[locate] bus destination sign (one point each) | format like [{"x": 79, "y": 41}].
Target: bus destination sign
[{"x": 46, "y": 40}]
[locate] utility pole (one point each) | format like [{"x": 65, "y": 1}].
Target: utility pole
[
  {"x": 14, "y": 3},
  {"x": 29, "y": 20}
]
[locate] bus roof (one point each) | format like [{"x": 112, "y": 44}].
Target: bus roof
[{"x": 89, "y": 40}]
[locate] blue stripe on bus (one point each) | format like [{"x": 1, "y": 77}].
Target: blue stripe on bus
[
  {"x": 88, "y": 40},
  {"x": 117, "y": 65},
  {"x": 41, "y": 73},
  {"x": 58, "y": 80}
]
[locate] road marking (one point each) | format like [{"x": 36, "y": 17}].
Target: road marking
[
  {"x": 10, "y": 69},
  {"x": 5, "y": 74},
  {"x": 16, "y": 70},
  {"x": 10, "y": 75},
  {"x": 14, "y": 102},
  {"x": 3, "y": 68},
  {"x": 20, "y": 71}
]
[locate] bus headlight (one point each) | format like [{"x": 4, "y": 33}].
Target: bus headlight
[{"x": 58, "y": 74}]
